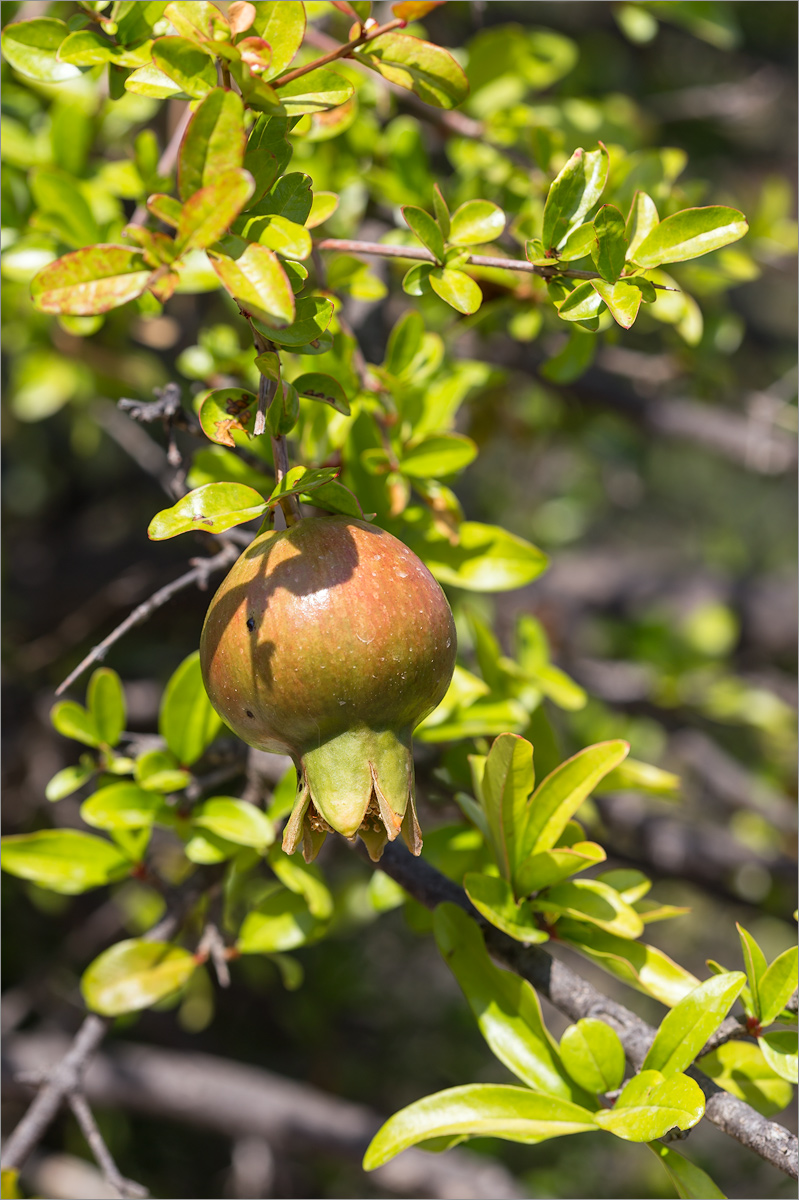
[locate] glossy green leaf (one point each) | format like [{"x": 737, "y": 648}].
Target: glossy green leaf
[
  {"x": 779, "y": 1049},
  {"x": 551, "y": 866},
  {"x": 284, "y": 410},
  {"x": 438, "y": 456},
  {"x": 187, "y": 722},
  {"x": 505, "y": 1006},
  {"x": 63, "y": 860},
  {"x": 313, "y": 315},
  {"x": 416, "y": 281},
  {"x": 573, "y": 194},
  {"x": 493, "y": 898},
  {"x": 31, "y": 47},
  {"x": 429, "y": 71},
  {"x": 323, "y": 205},
  {"x": 478, "y": 1110},
  {"x": 426, "y": 229},
  {"x": 777, "y": 984},
  {"x": 182, "y": 61},
  {"x": 206, "y": 848},
  {"x": 213, "y": 143},
  {"x": 323, "y": 388},
  {"x": 610, "y": 247},
  {"x": 198, "y": 20},
  {"x": 165, "y": 208},
  {"x": 581, "y": 304},
  {"x": 754, "y": 962},
  {"x": 558, "y": 797},
  {"x": 282, "y": 921},
  {"x": 106, "y": 702},
  {"x": 458, "y": 289},
  {"x": 623, "y": 299},
  {"x": 593, "y": 1055},
  {"x": 236, "y": 821},
  {"x": 690, "y": 233},
  {"x": 590, "y": 900},
  {"x": 208, "y": 213},
  {"x": 740, "y": 1068},
  {"x": 640, "y": 776},
  {"x": 300, "y": 480},
  {"x": 690, "y": 1181},
  {"x": 226, "y": 411},
  {"x": 684, "y": 1031},
  {"x": 217, "y": 465},
  {"x": 135, "y": 974},
  {"x": 486, "y": 559},
  {"x": 268, "y": 153},
  {"x": 441, "y": 211},
  {"x": 69, "y": 779},
  {"x": 150, "y": 81},
  {"x": 212, "y": 508},
  {"x": 475, "y": 222},
  {"x": 285, "y": 237},
  {"x": 74, "y": 721},
  {"x": 508, "y": 781},
  {"x": 643, "y": 967},
  {"x": 304, "y": 879},
  {"x": 291, "y": 197},
  {"x": 258, "y": 281},
  {"x": 579, "y": 243},
  {"x": 281, "y": 23},
  {"x": 315, "y": 92},
  {"x": 649, "y": 1106},
  {"x": 121, "y": 806},
  {"x": 642, "y": 219},
  {"x": 159, "y": 771},
  {"x": 92, "y": 280}
]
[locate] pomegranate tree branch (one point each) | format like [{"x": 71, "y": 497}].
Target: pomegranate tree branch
[
  {"x": 340, "y": 51},
  {"x": 577, "y": 998},
  {"x": 280, "y": 450},
  {"x": 102, "y": 1155}
]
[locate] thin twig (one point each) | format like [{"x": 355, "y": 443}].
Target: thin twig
[
  {"x": 342, "y": 51},
  {"x": 201, "y": 569},
  {"x": 212, "y": 945},
  {"x": 102, "y": 1155}
]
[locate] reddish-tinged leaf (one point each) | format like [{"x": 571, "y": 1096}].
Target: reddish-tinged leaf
[
  {"x": 257, "y": 280},
  {"x": 213, "y": 143},
  {"x": 240, "y": 15},
  {"x": 166, "y": 208},
  {"x": 414, "y": 10},
  {"x": 226, "y": 411},
  {"x": 429, "y": 71},
  {"x": 256, "y": 53},
  {"x": 157, "y": 247},
  {"x": 164, "y": 285},
  {"x": 209, "y": 212},
  {"x": 199, "y": 21},
  {"x": 92, "y": 280}
]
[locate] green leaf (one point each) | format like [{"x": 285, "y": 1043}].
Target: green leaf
[
  {"x": 258, "y": 281},
  {"x": 690, "y": 1181},
  {"x": 304, "y": 879},
  {"x": 198, "y": 20},
  {"x": 158, "y": 771},
  {"x": 611, "y": 243},
  {"x": 487, "y": 558},
  {"x": 135, "y": 974},
  {"x": 323, "y": 205},
  {"x": 226, "y": 411},
  {"x": 281, "y": 23},
  {"x": 165, "y": 208},
  {"x": 217, "y": 465},
  {"x": 573, "y": 194},
  {"x": 63, "y": 860},
  {"x": 121, "y": 806},
  {"x": 508, "y": 781},
  {"x": 62, "y": 208},
  {"x": 212, "y": 508},
  {"x": 74, "y": 721},
  {"x": 581, "y": 304},
  {"x": 268, "y": 153},
  {"x": 475, "y": 222},
  {"x": 92, "y": 280},
  {"x": 590, "y": 900},
  {"x": 315, "y": 92},
  {"x": 187, "y": 722},
  {"x": 649, "y": 1106},
  {"x": 285, "y": 237},
  {"x": 558, "y": 797},
  {"x": 152, "y": 82},
  {"x": 69, "y": 779},
  {"x": 182, "y": 61},
  {"x": 689, "y": 234},
  {"x": 324, "y": 388},
  {"x": 236, "y": 821},
  {"x": 31, "y": 48},
  {"x": 313, "y": 315},
  {"x": 740, "y": 1068},
  {"x": 300, "y": 480},
  {"x": 282, "y": 921},
  {"x": 780, "y": 1052},
  {"x": 106, "y": 701},
  {"x": 593, "y": 1055},
  {"x": 438, "y": 456},
  {"x": 493, "y": 898},
  {"x": 505, "y": 1006},
  {"x": 213, "y": 143},
  {"x": 208, "y": 213},
  {"x": 284, "y": 410},
  {"x": 441, "y": 211},
  {"x": 458, "y": 289},
  {"x": 755, "y": 964},
  {"x": 643, "y": 967},
  {"x": 777, "y": 985},
  {"x": 579, "y": 243},
  {"x": 478, "y": 1110},
  {"x": 9, "y": 1185},
  {"x": 207, "y": 848},
  {"x": 551, "y": 866},
  {"x": 426, "y": 229},
  {"x": 642, "y": 220},
  {"x": 684, "y": 1031},
  {"x": 622, "y": 298},
  {"x": 416, "y": 280},
  {"x": 420, "y": 67}
]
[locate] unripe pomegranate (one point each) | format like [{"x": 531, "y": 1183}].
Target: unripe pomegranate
[{"x": 330, "y": 641}]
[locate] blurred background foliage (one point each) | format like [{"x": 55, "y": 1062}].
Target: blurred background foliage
[{"x": 660, "y": 480}]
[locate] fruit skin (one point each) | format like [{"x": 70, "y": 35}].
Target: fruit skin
[{"x": 330, "y": 641}]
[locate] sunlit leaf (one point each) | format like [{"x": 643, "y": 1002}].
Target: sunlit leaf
[
  {"x": 92, "y": 280},
  {"x": 31, "y": 47},
  {"x": 212, "y": 508},
  {"x": 573, "y": 194},
  {"x": 690, "y": 1181},
  {"x": 429, "y": 71},
  {"x": 213, "y": 143},
  {"x": 63, "y": 860},
  {"x": 690, "y": 233},
  {"x": 684, "y": 1031},
  {"x": 593, "y": 1055},
  {"x": 135, "y": 974},
  {"x": 186, "y": 721},
  {"x": 258, "y": 281},
  {"x": 649, "y": 1106}
]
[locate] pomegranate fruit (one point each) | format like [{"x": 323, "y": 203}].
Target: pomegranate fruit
[{"x": 330, "y": 641}]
